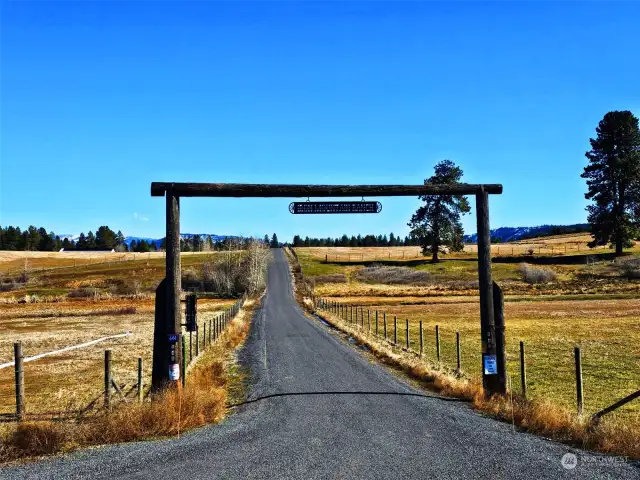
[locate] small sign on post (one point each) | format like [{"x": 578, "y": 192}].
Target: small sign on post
[{"x": 490, "y": 364}]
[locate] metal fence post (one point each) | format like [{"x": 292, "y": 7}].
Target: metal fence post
[
  {"x": 458, "y": 354},
  {"x": 523, "y": 371},
  {"x": 438, "y": 342},
  {"x": 395, "y": 330},
  {"x": 421, "y": 340},
  {"x": 407, "y": 332},
  {"x": 140, "y": 386},
  {"x": 184, "y": 361},
  {"x": 579, "y": 395}
]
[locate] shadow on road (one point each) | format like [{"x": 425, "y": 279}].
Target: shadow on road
[{"x": 301, "y": 394}]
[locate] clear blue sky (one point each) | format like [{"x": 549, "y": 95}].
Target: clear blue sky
[{"x": 100, "y": 99}]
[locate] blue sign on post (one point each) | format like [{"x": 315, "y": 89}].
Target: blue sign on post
[
  {"x": 490, "y": 365},
  {"x": 173, "y": 337}
]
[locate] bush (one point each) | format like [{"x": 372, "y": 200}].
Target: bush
[
  {"x": 86, "y": 292},
  {"x": 233, "y": 273},
  {"x": 331, "y": 278},
  {"x": 394, "y": 275},
  {"x": 630, "y": 267},
  {"x": 533, "y": 275}
]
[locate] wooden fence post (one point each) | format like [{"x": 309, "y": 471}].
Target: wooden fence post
[
  {"x": 438, "y": 342},
  {"x": 140, "y": 386},
  {"x": 197, "y": 341},
  {"x": 579, "y": 395},
  {"x": 376, "y": 323},
  {"x": 204, "y": 335},
  {"x": 369, "y": 320},
  {"x": 523, "y": 371},
  {"x": 19, "y": 373},
  {"x": 107, "y": 379},
  {"x": 458, "y": 351},
  {"x": 421, "y": 339}
]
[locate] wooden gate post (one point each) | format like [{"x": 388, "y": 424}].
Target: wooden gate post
[
  {"x": 167, "y": 355},
  {"x": 501, "y": 357},
  {"x": 490, "y": 378}
]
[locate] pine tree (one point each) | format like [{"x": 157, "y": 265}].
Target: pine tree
[
  {"x": 82, "y": 242},
  {"x": 265, "y": 240},
  {"x": 437, "y": 221},
  {"x": 274, "y": 241},
  {"x": 613, "y": 181},
  {"x": 91, "y": 240}
]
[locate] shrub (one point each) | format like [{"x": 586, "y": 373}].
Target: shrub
[
  {"x": 533, "y": 275},
  {"x": 85, "y": 292},
  {"x": 630, "y": 267},
  {"x": 331, "y": 278},
  {"x": 394, "y": 275},
  {"x": 233, "y": 273}
]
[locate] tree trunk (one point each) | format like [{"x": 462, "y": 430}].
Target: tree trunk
[
  {"x": 619, "y": 245},
  {"x": 434, "y": 258}
]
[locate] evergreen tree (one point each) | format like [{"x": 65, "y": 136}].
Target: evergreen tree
[
  {"x": 132, "y": 246},
  {"x": 437, "y": 221},
  {"x": 613, "y": 181},
  {"x": 265, "y": 240},
  {"x": 82, "y": 242},
  {"x": 119, "y": 239},
  {"x": 91, "y": 241},
  {"x": 274, "y": 241},
  {"x": 106, "y": 238}
]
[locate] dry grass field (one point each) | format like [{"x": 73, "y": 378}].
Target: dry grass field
[
  {"x": 62, "y": 307},
  {"x": 608, "y": 332},
  {"x": 573, "y": 244},
  {"x": 590, "y": 302}
]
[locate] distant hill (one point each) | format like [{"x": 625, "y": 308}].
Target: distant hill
[{"x": 511, "y": 234}]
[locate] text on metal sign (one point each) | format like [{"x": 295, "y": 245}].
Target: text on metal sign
[{"x": 334, "y": 207}]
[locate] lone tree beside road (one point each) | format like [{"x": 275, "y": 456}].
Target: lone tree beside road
[
  {"x": 613, "y": 181},
  {"x": 437, "y": 223},
  {"x": 274, "y": 241}
]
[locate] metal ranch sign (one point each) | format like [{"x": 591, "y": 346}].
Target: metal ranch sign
[{"x": 334, "y": 207}]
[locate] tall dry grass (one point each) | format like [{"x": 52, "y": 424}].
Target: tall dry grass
[
  {"x": 539, "y": 416},
  {"x": 203, "y": 400}
]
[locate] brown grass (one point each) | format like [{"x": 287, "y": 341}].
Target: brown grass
[
  {"x": 70, "y": 380},
  {"x": 538, "y": 416},
  {"x": 203, "y": 400}
]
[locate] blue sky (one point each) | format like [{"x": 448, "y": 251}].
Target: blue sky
[{"x": 100, "y": 99}]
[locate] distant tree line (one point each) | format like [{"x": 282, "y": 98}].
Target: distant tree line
[
  {"x": 38, "y": 239},
  {"x": 356, "y": 241}
]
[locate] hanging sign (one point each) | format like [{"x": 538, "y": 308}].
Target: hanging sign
[{"x": 334, "y": 207}]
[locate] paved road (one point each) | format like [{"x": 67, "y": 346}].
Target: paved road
[{"x": 328, "y": 435}]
